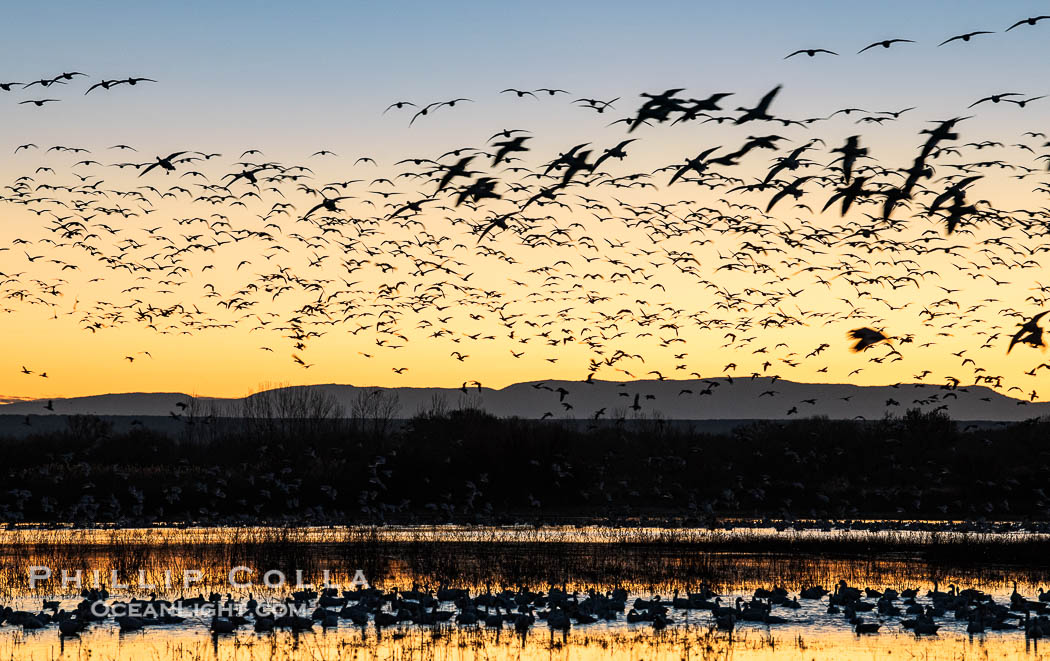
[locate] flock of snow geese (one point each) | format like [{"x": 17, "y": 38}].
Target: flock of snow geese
[
  {"x": 557, "y": 608},
  {"x": 766, "y": 243}
]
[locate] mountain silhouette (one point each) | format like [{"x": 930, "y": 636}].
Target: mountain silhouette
[{"x": 739, "y": 399}]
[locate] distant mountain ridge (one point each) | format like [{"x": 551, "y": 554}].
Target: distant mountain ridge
[{"x": 720, "y": 398}]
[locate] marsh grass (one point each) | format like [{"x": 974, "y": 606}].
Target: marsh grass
[{"x": 648, "y": 560}]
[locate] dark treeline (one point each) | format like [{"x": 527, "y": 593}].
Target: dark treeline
[{"x": 468, "y": 466}]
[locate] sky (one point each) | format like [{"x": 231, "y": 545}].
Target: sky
[{"x": 293, "y": 78}]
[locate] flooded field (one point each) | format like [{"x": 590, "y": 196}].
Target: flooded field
[
  {"x": 524, "y": 593},
  {"x": 686, "y": 642}
]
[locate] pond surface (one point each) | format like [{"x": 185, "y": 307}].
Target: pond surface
[
  {"x": 693, "y": 642},
  {"x": 643, "y": 562}
]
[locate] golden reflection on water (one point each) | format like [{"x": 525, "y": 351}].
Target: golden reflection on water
[
  {"x": 644, "y": 561},
  {"x": 695, "y": 642}
]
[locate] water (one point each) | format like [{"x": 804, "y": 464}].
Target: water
[
  {"x": 643, "y": 561},
  {"x": 694, "y": 642}
]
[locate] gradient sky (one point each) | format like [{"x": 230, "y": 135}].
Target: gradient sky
[
  {"x": 290, "y": 79},
  {"x": 314, "y": 73}
]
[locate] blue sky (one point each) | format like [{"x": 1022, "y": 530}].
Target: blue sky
[{"x": 316, "y": 71}]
